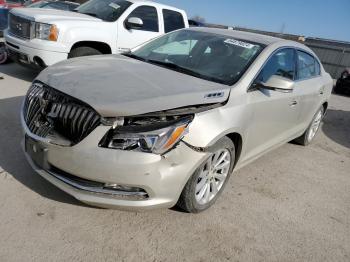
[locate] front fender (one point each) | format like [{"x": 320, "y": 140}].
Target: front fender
[
  {"x": 94, "y": 34},
  {"x": 210, "y": 126}
]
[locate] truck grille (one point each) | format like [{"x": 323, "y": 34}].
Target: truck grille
[
  {"x": 50, "y": 113},
  {"x": 21, "y": 27}
]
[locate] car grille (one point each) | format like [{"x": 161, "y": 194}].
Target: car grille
[
  {"x": 19, "y": 26},
  {"x": 49, "y": 113}
]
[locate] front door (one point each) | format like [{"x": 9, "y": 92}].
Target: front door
[
  {"x": 275, "y": 113},
  {"x": 151, "y": 28}
]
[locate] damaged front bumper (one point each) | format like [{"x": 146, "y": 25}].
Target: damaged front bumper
[{"x": 113, "y": 178}]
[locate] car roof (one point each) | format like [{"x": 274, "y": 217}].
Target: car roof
[
  {"x": 252, "y": 37},
  {"x": 155, "y": 4}
]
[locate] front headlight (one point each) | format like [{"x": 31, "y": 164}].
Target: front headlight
[
  {"x": 149, "y": 135},
  {"x": 46, "y": 32}
]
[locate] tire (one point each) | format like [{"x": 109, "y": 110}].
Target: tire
[
  {"x": 306, "y": 138},
  {"x": 4, "y": 57},
  {"x": 190, "y": 199},
  {"x": 83, "y": 51}
]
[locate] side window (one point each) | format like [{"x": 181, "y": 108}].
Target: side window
[
  {"x": 281, "y": 63},
  {"x": 306, "y": 65},
  {"x": 172, "y": 20},
  {"x": 149, "y": 17}
]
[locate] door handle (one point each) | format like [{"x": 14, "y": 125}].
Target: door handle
[
  {"x": 321, "y": 91},
  {"x": 293, "y": 103}
]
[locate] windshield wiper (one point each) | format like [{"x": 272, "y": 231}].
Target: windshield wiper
[
  {"x": 184, "y": 70},
  {"x": 175, "y": 67},
  {"x": 131, "y": 55}
]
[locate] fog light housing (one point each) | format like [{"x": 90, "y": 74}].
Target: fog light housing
[{"x": 117, "y": 187}]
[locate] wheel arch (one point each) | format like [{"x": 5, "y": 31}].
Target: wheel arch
[
  {"x": 237, "y": 140},
  {"x": 103, "y": 47}
]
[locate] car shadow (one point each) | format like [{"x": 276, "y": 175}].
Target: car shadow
[
  {"x": 12, "y": 159},
  {"x": 337, "y": 126},
  {"x": 16, "y": 71}
]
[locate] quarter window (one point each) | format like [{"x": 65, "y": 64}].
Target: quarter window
[
  {"x": 149, "y": 16},
  {"x": 307, "y": 66},
  {"x": 172, "y": 20},
  {"x": 281, "y": 63}
]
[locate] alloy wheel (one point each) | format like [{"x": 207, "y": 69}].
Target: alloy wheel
[
  {"x": 315, "y": 125},
  {"x": 212, "y": 176}
]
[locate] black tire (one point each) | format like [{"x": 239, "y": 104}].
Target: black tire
[
  {"x": 83, "y": 51},
  {"x": 303, "y": 139},
  {"x": 4, "y": 56},
  {"x": 187, "y": 201}
]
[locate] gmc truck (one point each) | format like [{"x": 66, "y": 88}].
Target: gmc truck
[{"x": 41, "y": 38}]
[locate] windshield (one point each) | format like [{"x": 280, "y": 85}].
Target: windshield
[
  {"x": 107, "y": 10},
  {"x": 54, "y": 5},
  {"x": 38, "y": 4},
  {"x": 209, "y": 56}
]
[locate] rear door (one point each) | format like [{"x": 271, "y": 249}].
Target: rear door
[
  {"x": 172, "y": 20},
  {"x": 130, "y": 38},
  {"x": 275, "y": 113},
  {"x": 309, "y": 86}
]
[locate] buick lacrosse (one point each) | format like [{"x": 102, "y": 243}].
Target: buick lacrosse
[{"x": 168, "y": 122}]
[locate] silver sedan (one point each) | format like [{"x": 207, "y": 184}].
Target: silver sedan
[{"x": 168, "y": 122}]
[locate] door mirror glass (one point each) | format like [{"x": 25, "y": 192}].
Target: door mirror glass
[
  {"x": 134, "y": 23},
  {"x": 277, "y": 83}
]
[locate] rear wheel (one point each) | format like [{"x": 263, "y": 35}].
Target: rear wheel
[
  {"x": 209, "y": 180},
  {"x": 312, "y": 130},
  {"x": 83, "y": 51}
]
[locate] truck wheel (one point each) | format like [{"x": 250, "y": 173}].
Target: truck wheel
[
  {"x": 209, "y": 180},
  {"x": 3, "y": 55},
  {"x": 83, "y": 51}
]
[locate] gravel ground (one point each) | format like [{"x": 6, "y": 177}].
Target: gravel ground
[{"x": 293, "y": 204}]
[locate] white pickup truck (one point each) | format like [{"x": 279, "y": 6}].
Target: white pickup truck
[{"x": 42, "y": 37}]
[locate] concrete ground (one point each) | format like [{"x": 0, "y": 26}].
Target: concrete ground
[{"x": 293, "y": 204}]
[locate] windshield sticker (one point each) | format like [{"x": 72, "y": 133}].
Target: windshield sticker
[
  {"x": 114, "y": 5},
  {"x": 239, "y": 43}
]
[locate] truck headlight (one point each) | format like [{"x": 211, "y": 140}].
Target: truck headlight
[
  {"x": 156, "y": 136},
  {"x": 46, "y": 32}
]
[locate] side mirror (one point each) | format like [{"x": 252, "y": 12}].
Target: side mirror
[
  {"x": 133, "y": 23},
  {"x": 277, "y": 83}
]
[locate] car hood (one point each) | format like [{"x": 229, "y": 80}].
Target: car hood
[
  {"x": 50, "y": 15},
  {"x": 116, "y": 85}
]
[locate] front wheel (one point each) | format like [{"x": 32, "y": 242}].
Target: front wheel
[
  {"x": 312, "y": 130},
  {"x": 3, "y": 54},
  {"x": 209, "y": 180},
  {"x": 83, "y": 51}
]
